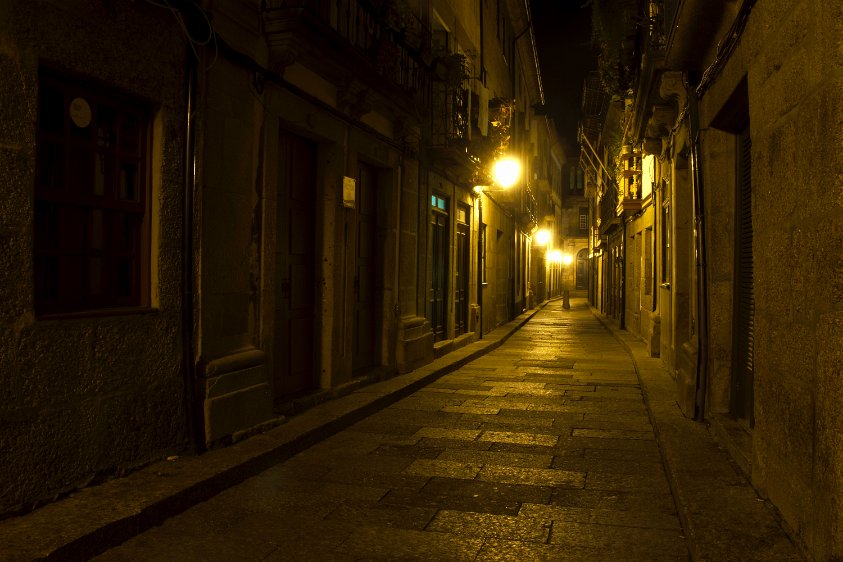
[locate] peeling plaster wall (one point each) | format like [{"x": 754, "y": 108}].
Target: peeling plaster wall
[{"x": 87, "y": 397}]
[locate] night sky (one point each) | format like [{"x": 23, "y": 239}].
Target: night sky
[{"x": 563, "y": 38}]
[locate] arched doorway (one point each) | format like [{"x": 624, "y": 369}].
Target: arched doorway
[{"x": 582, "y": 270}]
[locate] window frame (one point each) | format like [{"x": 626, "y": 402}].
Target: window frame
[
  {"x": 583, "y": 219},
  {"x": 666, "y": 257},
  {"x": 92, "y": 228}
]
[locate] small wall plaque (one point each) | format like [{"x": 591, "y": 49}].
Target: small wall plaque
[{"x": 349, "y": 191}]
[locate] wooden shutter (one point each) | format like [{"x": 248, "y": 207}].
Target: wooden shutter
[{"x": 744, "y": 364}]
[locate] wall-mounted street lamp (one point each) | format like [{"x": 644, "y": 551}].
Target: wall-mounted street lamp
[
  {"x": 542, "y": 237},
  {"x": 506, "y": 171}
]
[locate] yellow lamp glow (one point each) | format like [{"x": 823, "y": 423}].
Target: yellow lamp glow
[
  {"x": 554, "y": 256},
  {"x": 567, "y": 259},
  {"x": 506, "y": 172},
  {"x": 542, "y": 237}
]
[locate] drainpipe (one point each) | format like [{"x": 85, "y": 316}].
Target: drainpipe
[
  {"x": 699, "y": 247},
  {"x": 192, "y": 390},
  {"x": 396, "y": 284},
  {"x": 480, "y": 262}
]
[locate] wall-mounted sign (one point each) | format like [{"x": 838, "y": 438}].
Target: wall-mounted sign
[{"x": 349, "y": 191}]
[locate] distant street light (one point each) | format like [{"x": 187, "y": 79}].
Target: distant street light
[{"x": 542, "y": 237}]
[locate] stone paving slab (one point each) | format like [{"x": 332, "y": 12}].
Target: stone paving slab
[{"x": 546, "y": 441}]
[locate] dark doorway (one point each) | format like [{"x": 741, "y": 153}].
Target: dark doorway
[
  {"x": 294, "y": 349},
  {"x": 462, "y": 268},
  {"x": 366, "y": 333},
  {"x": 742, "y": 395},
  {"x": 582, "y": 270},
  {"x": 438, "y": 297}
]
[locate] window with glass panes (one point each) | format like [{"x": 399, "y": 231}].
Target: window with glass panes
[
  {"x": 583, "y": 224},
  {"x": 90, "y": 224}
]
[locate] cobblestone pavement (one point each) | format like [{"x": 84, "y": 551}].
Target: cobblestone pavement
[{"x": 539, "y": 450}]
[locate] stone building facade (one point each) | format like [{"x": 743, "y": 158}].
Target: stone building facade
[
  {"x": 219, "y": 213},
  {"x": 730, "y": 232},
  {"x": 92, "y": 137}
]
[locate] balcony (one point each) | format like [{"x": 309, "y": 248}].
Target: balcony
[
  {"x": 608, "y": 218},
  {"x": 629, "y": 182},
  {"x": 448, "y": 146},
  {"x": 351, "y": 41},
  {"x": 654, "y": 41},
  {"x": 528, "y": 218},
  {"x": 685, "y": 44}
]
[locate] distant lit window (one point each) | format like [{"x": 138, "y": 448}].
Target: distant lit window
[
  {"x": 90, "y": 224},
  {"x": 648, "y": 261},
  {"x": 583, "y": 218},
  {"x": 666, "y": 251},
  {"x": 648, "y": 175}
]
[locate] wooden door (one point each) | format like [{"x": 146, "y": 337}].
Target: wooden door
[
  {"x": 438, "y": 299},
  {"x": 461, "y": 277},
  {"x": 366, "y": 334},
  {"x": 294, "y": 350},
  {"x": 582, "y": 270}
]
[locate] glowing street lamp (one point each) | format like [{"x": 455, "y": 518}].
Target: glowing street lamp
[
  {"x": 542, "y": 237},
  {"x": 566, "y": 259},
  {"x": 506, "y": 172}
]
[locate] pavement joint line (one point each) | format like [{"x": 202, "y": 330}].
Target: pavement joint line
[{"x": 109, "y": 532}]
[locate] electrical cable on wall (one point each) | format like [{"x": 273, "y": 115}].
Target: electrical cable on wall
[{"x": 191, "y": 41}]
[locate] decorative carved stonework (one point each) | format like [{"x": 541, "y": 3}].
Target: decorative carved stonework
[
  {"x": 673, "y": 88},
  {"x": 661, "y": 121},
  {"x": 281, "y": 28},
  {"x": 355, "y": 98},
  {"x": 407, "y": 132},
  {"x": 653, "y": 146}
]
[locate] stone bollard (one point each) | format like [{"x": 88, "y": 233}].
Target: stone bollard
[{"x": 566, "y": 303}]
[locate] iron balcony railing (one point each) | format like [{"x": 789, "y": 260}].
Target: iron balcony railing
[
  {"x": 449, "y": 118},
  {"x": 391, "y": 40}
]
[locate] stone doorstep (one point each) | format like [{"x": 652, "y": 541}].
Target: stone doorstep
[
  {"x": 442, "y": 348},
  {"x": 93, "y": 520}
]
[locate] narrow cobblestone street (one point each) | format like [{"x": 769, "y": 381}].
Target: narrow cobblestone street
[{"x": 539, "y": 450}]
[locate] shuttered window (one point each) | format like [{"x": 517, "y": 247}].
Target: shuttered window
[{"x": 744, "y": 360}]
